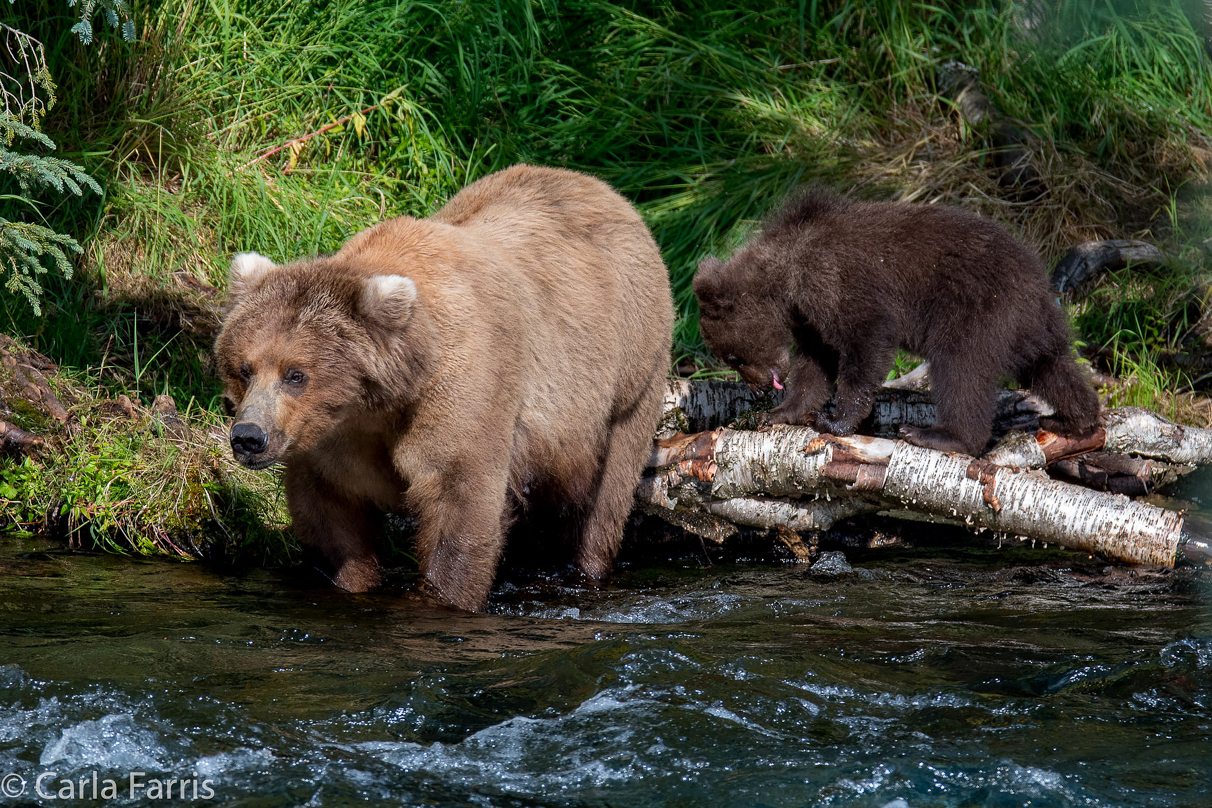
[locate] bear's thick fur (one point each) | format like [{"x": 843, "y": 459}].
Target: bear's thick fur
[
  {"x": 849, "y": 282},
  {"x": 508, "y": 353}
]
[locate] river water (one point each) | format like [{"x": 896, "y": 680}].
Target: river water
[{"x": 945, "y": 677}]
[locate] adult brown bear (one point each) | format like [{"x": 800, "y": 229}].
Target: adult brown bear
[
  {"x": 849, "y": 282},
  {"x": 507, "y": 353}
]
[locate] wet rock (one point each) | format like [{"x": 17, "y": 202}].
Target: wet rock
[{"x": 832, "y": 563}]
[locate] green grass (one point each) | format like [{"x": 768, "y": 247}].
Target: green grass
[{"x": 704, "y": 114}]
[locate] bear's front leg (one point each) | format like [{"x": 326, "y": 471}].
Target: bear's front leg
[
  {"x": 341, "y": 530},
  {"x": 463, "y": 516},
  {"x": 807, "y": 390}
]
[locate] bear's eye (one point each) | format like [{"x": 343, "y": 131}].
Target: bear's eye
[
  {"x": 229, "y": 407},
  {"x": 293, "y": 376},
  {"x": 245, "y": 371},
  {"x": 733, "y": 359}
]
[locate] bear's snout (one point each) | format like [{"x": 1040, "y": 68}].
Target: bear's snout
[{"x": 247, "y": 440}]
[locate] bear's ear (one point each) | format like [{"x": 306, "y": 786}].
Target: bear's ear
[
  {"x": 247, "y": 270},
  {"x": 388, "y": 299},
  {"x": 705, "y": 283}
]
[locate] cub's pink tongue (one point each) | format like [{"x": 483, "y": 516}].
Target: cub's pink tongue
[{"x": 777, "y": 384}]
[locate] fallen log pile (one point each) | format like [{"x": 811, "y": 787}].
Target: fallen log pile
[{"x": 794, "y": 478}]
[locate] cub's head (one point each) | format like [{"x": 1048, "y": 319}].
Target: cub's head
[
  {"x": 308, "y": 345},
  {"x": 742, "y": 325}
]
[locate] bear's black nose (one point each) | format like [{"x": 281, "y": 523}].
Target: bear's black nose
[{"x": 248, "y": 439}]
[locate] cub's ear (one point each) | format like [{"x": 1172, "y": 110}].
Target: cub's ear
[
  {"x": 704, "y": 283},
  {"x": 388, "y": 299},
  {"x": 247, "y": 270}
]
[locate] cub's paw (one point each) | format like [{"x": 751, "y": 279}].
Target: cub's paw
[
  {"x": 823, "y": 423},
  {"x": 779, "y": 415},
  {"x": 932, "y": 438},
  {"x": 1069, "y": 430}
]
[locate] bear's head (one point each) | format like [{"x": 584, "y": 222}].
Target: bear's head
[
  {"x": 307, "y": 346},
  {"x": 742, "y": 324}
]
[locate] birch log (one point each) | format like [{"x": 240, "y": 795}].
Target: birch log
[
  {"x": 671, "y": 492},
  {"x": 797, "y": 463},
  {"x": 1135, "y": 430},
  {"x": 703, "y": 405}
]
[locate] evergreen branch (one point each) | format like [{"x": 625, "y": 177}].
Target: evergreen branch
[
  {"x": 19, "y": 89},
  {"x": 116, "y": 13},
  {"x": 24, "y": 247},
  {"x": 33, "y": 172}
]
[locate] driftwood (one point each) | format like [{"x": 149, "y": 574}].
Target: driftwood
[
  {"x": 1093, "y": 257},
  {"x": 1120, "y": 474},
  {"x": 16, "y": 441},
  {"x": 798, "y": 479}
]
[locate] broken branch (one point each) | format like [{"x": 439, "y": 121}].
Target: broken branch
[{"x": 1093, "y": 257}]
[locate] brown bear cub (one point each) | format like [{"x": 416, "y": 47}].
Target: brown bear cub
[
  {"x": 848, "y": 283},
  {"x": 508, "y": 353}
]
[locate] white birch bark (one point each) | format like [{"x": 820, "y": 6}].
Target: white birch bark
[
  {"x": 1134, "y": 430},
  {"x": 1036, "y": 507},
  {"x": 696, "y": 406},
  {"x": 800, "y": 516},
  {"x": 1018, "y": 450},
  {"x": 672, "y": 491},
  {"x": 745, "y": 469}
]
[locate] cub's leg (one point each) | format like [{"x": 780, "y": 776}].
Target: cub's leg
[
  {"x": 628, "y": 448},
  {"x": 463, "y": 515},
  {"x": 861, "y": 368},
  {"x": 1059, "y": 380},
  {"x": 964, "y": 391},
  {"x": 340, "y": 529},
  {"x": 808, "y": 388}
]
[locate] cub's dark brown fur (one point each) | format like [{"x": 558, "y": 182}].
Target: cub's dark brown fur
[
  {"x": 507, "y": 354},
  {"x": 848, "y": 282}
]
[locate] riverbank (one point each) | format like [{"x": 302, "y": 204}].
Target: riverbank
[{"x": 255, "y": 127}]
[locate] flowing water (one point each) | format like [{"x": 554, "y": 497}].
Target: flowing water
[{"x": 949, "y": 677}]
